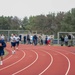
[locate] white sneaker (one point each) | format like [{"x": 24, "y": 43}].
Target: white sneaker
[
  {"x": 13, "y": 52},
  {"x": 1, "y": 62}
]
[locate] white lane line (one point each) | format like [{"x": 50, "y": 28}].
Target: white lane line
[
  {"x": 49, "y": 63},
  {"x": 65, "y": 51},
  {"x": 28, "y": 65},
  {"x": 67, "y": 60},
  {"x": 15, "y": 62},
  {"x": 7, "y": 58}
]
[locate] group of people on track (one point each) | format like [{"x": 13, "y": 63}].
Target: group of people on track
[{"x": 14, "y": 39}]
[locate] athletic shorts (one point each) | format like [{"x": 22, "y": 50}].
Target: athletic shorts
[
  {"x": 13, "y": 44},
  {"x": 1, "y": 52},
  {"x": 17, "y": 43}
]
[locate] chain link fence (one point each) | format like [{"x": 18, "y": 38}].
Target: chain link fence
[{"x": 7, "y": 33}]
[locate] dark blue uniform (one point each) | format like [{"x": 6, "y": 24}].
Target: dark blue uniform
[
  {"x": 35, "y": 39},
  {"x": 2, "y": 47}
]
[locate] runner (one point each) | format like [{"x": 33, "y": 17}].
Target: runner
[
  {"x": 13, "y": 42},
  {"x": 2, "y": 46},
  {"x": 17, "y": 41}
]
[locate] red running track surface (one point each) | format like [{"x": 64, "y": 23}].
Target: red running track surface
[{"x": 39, "y": 60}]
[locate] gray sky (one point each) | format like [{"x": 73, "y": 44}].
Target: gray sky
[{"x": 22, "y": 8}]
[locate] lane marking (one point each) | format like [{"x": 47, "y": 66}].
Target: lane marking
[
  {"x": 69, "y": 64},
  {"x": 15, "y": 62},
  {"x": 7, "y": 58},
  {"x": 28, "y": 65},
  {"x": 49, "y": 63},
  {"x": 65, "y": 51}
]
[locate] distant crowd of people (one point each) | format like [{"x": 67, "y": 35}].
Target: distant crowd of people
[
  {"x": 67, "y": 40},
  {"x": 37, "y": 39}
]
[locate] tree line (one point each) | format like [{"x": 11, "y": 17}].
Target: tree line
[{"x": 47, "y": 24}]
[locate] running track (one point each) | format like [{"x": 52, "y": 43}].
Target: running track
[{"x": 39, "y": 60}]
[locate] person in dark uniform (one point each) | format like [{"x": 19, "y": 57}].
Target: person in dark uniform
[
  {"x": 46, "y": 40},
  {"x": 2, "y": 46},
  {"x": 35, "y": 39},
  {"x": 69, "y": 40},
  {"x": 28, "y": 39},
  {"x": 62, "y": 40},
  {"x": 24, "y": 39}
]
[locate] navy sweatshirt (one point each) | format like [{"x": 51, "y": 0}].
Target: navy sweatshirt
[{"x": 3, "y": 45}]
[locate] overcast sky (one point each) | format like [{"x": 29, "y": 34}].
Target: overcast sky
[{"x": 22, "y": 8}]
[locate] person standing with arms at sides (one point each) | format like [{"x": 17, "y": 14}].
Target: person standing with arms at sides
[
  {"x": 62, "y": 40},
  {"x": 66, "y": 40},
  {"x": 2, "y": 46},
  {"x": 35, "y": 39},
  {"x": 2, "y": 37},
  {"x": 69, "y": 40},
  {"x": 24, "y": 39},
  {"x": 13, "y": 42},
  {"x": 17, "y": 38},
  {"x": 51, "y": 40}
]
